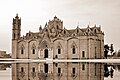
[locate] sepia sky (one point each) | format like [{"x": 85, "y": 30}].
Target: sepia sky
[{"x": 73, "y": 13}]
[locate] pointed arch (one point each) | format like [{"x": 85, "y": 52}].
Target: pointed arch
[
  {"x": 44, "y": 44},
  {"x": 59, "y": 48},
  {"x": 33, "y": 48},
  {"x": 22, "y": 49},
  {"x": 95, "y": 30},
  {"x": 74, "y": 44},
  {"x": 88, "y": 30},
  {"x": 73, "y": 47},
  {"x": 84, "y": 34},
  {"x": 59, "y": 45},
  {"x": 65, "y": 32}
]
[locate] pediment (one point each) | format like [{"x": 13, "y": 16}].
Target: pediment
[
  {"x": 77, "y": 31},
  {"x": 95, "y": 30},
  {"x": 88, "y": 30},
  {"x": 59, "y": 35}
]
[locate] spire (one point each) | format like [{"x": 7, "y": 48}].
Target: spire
[
  {"x": 64, "y": 28},
  {"x": 78, "y": 25},
  {"x": 46, "y": 24},
  {"x": 88, "y": 26},
  {"x": 40, "y": 28},
  {"x": 95, "y": 25}
]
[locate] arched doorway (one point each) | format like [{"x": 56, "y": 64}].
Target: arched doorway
[{"x": 46, "y": 53}]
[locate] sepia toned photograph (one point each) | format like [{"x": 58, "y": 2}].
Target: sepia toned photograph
[{"x": 59, "y": 40}]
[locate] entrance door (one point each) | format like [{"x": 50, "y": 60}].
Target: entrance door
[{"x": 46, "y": 53}]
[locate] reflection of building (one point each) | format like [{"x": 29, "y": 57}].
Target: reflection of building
[
  {"x": 4, "y": 66},
  {"x": 54, "y": 41},
  {"x": 58, "y": 71},
  {"x": 4, "y": 55}
]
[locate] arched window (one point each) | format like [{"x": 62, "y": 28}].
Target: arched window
[
  {"x": 59, "y": 50},
  {"x": 33, "y": 51},
  {"x": 22, "y": 49},
  {"x": 73, "y": 50},
  {"x": 83, "y": 67},
  {"x": 33, "y": 69},
  {"x": 59, "y": 70},
  {"x": 14, "y": 35},
  {"x": 73, "y": 70},
  {"x": 64, "y": 32},
  {"x": 56, "y": 64},
  {"x": 46, "y": 53},
  {"x": 22, "y": 69},
  {"x": 88, "y": 30},
  {"x": 95, "y": 31},
  {"x": 46, "y": 68},
  {"x": 83, "y": 54},
  {"x": 56, "y": 56},
  {"x": 95, "y": 53},
  {"x": 57, "y": 27}
]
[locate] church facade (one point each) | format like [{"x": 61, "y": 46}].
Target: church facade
[{"x": 56, "y": 42}]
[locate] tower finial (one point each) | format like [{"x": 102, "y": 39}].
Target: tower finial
[
  {"x": 55, "y": 17},
  {"x": 46, "y": 24},
  {"x": 95, "y": 25},
  {"x": 17, "y": 16},
  {"x": 88, "y": 26},
  {"x": 78, "y": 24},
  {"x": 40, "y": 28}
]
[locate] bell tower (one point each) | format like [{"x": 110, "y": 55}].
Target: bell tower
[
  {"x": 55, "y": 23},
  {"x": 16, "y": 33}
]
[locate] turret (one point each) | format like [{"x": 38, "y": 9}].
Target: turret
[
  {"x": 16, "y": 30},
  {"x": 16, "y": 33},
  {"x": 56, "y": 23}
]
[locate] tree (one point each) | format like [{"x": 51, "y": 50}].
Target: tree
[
  {"x": 111, "y": 48},
  {"x": 106, "y": 50},
  {"x": 118, "y": 54}
]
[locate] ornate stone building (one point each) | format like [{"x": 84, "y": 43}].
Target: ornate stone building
[{"x": 56, "y": 42}]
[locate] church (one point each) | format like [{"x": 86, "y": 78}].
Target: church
[{"x": 54, "y": 41}]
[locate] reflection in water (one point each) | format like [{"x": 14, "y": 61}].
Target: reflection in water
[
  {"x": 58, "y": 71},
  {"x": 4, "y": 66},
  {"x": 108, "y": 72}
]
